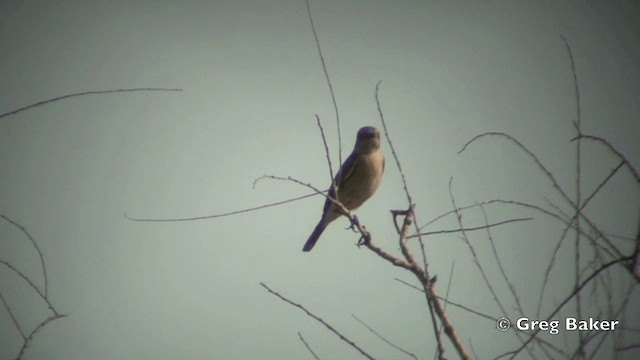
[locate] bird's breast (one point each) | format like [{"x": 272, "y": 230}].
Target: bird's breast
[{"x": 365, "y": 179}]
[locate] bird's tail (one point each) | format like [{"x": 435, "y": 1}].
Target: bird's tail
[{"x": 315, "y": 235}]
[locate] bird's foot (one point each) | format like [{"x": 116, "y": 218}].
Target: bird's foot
[
  {"x": 364, "y": 238},
  {"x": 354, "y": 223}
]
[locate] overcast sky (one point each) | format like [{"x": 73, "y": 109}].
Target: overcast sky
[{"x": 251, "y": 83}]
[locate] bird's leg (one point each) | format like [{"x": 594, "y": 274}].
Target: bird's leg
[
  {"x": 355, "y": 226},
  {"x": 354, "y": 223},
  {"x": 364, "y": 238}
]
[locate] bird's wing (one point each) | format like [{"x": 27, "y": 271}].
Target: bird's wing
[
  {"x": 343, "y": 176},
  {"x": 347, "y": 169}
]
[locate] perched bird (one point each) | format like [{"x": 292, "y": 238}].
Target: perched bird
[{"x": 357, "y": 180}]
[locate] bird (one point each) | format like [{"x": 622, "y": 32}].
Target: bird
[{"x": 356, "y": 181}]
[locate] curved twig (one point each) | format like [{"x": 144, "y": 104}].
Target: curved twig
[
  {"x": 204, "y": 217},
  {"x": 93, "y": 92},
  {"x": 33, "y": 242}
]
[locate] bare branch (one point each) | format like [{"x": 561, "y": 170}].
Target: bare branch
[
  {"x": 333, "y": 181},
  {"x": 393, "y": 149},
  {"x": 569, "y": 225},
  {"x": 402, "y": 175},
  {"x": 578, "y": 199},
  {"x": 476, "y": 260},
  {"x": 326, "y": 75},
  {"x": 35, "y": 245},
  {"x": 614, "y": 315},
  {"x": 512, "y": 287},
  {"x": 390, "y": 258},
  {"x": 454, "y": 304},
  {"x": 28, "y": 281},
  {"x": 37, "y": 329},
  {"x": 27, "y": 339},
  {"x": 58, "y": 98},
  {"x": 435, "y": 308},
  {"x": 13, "y": 317},
  {"x": 307, "y": 346},
  {"x": 204, "y": 217},
  {"x": 490, "y": 202},
  {"x": 628, "y": 347},
  {"x": 384, "y": 339},
  {"x": 343, "y": 209},
  {"x": 633, "y": 170},
  {"x": 528, "y": 152},
  {"x": 483, "y": 227},
  {"x": 635, "y": 265},
  {"x": 446, "y": 297},
  {"x": 611, "y": 250},
  {"x": 568, "y": 298},
  {"x": 449, "y": 330},
  {"x": 342, "y": 337},
  {"x": 515, "y": 203}
]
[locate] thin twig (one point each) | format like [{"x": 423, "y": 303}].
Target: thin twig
[
  {"x": 634, "y": 267},
  {"x": 477, "y": 260},
  {"x": 341, "y": 207},
  {"x": 204, "y": 217},
  {"x": 528, "y": 152},
  {"x": 307, "y": 346},
  {"x": 436, "y": 311},
  {"x": 611, "y": 250},
  {"x": 454, "y": 304},
  {"x": 13, "y": 317},
  {"x": 512, "y": 287},
  {"x": 483, "y": 227},
  {"x": 35, "y": 245},
  {"x": 334, "y": 182},
  {"x": 326, "y": 75},
  {"x": 627, "y": 348},
  {"x": 342, "y": 337},
  {"x": 491, "y": 318},
  {"x": 618, "y": 314},
  {"x": 393, "y": 149},
  {"x": 631, "y": 168},
  {"x": 473, "y": 350},
  {"x": 37, "y": 329},
  {"x": 43, "y": 102},
  {"x": 567, "y": 299},
  {"x": 28, "y": 281},
  {"x": 27, "y": 339},
  {"x": 578, "y": 198},
  {"x": 405, "y": 185},
  {"x": 515, "y": 203},
  {"x": 446, "y": 298},
  {"x": 569, "y": 225},
  {"x": 541, "y": 166},
  {"x": 435, "y": 308},
  {"x": 344, "y": 211},
  {"x": 384, "y": 339},
  {"x": 449, "y": 330},
  {"x": 488, "y": 202}
]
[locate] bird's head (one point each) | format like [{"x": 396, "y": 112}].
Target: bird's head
[{"x": 368, "y": 139}]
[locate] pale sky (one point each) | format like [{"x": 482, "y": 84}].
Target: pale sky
[{"x": 252, "y": 82}]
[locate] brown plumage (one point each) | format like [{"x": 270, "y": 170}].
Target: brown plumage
[{"x": 358, "y": 178}]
